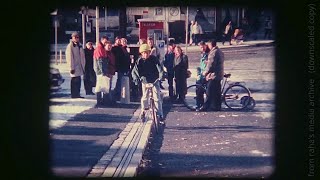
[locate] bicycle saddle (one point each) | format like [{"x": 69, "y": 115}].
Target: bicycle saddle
[{"x": 226, "y": 75}]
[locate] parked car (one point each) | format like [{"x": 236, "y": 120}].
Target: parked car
[{"x": 55, "y": 79}]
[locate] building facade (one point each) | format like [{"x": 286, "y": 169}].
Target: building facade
[{"x": 124, "y": 22}]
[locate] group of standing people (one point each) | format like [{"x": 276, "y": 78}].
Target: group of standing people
[
  {"x": 98, "y": 66},
  {"x": 210, "y": 72},
  {"x": 150, "y": 66},
  {"x": 176, "y": 64}
]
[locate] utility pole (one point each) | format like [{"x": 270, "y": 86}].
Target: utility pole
[
  {"x": 83, "y": 31},
  {"x": 105, "y": 18},
  {"x": 122, "y": 22},
  {"x": 83, "y": 23},
  {"x": 187, "y": 22},
  {"x": 56, "y": 38},
  {"x": 97, "y": 24}
]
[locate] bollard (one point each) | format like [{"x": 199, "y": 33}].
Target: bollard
[
  {"x": 60, "y": 56},
  {"x": 125, "y": 90}
]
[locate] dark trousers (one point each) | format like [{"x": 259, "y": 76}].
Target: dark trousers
[
  {"x": 267, "y": 33},
  {"x": 214, "y": 95},
  {"x": 117, "y": 89},
  {"x": 87, "y": 81},
  {"x": 136, "y": 92},
  {"x": 105, "y": 99},
  {"x": 181, "y": 87},
  {"x": 170, "y": 84},
  {"x": 200, "y": 95},
  {"x": 196, "y": 38},
  {"x": 226, "y": 37},
  {"x": 75, "y": 86}
]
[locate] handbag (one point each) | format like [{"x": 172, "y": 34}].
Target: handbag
[{"x": 188, "y": 73}]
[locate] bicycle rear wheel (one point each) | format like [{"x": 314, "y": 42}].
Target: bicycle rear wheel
[
  {"x": 154, "y": 116},
  {"x": 195, "y": 97},
  {"x": 236, "y": 97}
]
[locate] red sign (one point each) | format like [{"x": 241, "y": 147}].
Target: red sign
[{"x": 145, "y": 26}]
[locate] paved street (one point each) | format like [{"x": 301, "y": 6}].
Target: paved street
[
  {"x": 192, "y": 144},
  {"x": 221, "y": 144}
]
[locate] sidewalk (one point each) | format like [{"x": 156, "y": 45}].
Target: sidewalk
[{"x": 94, "y": 142}]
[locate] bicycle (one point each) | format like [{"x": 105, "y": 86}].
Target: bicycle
[
  {"x": 235, "y": 97},
  {"x": 151, "y": 110}
]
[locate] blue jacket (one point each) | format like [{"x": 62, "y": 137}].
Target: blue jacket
[{"x": 169, "y": 62}]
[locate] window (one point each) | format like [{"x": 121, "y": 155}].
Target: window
[{"x": 112, "y": 12}]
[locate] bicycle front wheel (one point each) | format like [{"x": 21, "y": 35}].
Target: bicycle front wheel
[
  {"x": 236, "y": 97},
  {"x": 154, "y": 116},
  {"x": 195, "y": 97}
]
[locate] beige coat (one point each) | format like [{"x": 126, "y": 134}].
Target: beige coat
[
  {"x": 215, "y": 65},
  {"x": 75, "y": 59}
]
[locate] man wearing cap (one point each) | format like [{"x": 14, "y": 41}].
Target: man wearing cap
[
  {"x": 148, "y": 70},
  {"x": 75, "y": 58}
]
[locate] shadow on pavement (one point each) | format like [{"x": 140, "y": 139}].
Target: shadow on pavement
[
  {"x": 85, "y": 131},
  {"x": 186, "y": 165},
  {"x": 223, "y": 128},
  {"x": 74, "y": 158},
  {"x": 154, "y": 145},
  {"x": 53, "y": 103},
  {"x": 79, "y": 144},
  {"x": 101, "y": 117},
  {"x": 59, "y": 95}
]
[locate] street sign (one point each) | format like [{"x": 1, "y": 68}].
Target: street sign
[
  {"x": 161, "y": 45},
  {"x": 88, "y": 27}
]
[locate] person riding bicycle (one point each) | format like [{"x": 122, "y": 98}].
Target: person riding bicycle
[
  {"x": 213, "y": 72},
  {"x": 200, "y": 77},
  {"x": 147, "y": 70}
]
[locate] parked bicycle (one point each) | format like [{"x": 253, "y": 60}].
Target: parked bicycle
[
  {"x": 236, "y": 96},
  {"x": 151, "y": 110}
]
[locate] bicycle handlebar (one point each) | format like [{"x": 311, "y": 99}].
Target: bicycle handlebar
[{"x": 158, "y": 79}]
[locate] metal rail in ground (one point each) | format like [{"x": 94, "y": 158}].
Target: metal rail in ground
[{"x": 124, "y": 156}]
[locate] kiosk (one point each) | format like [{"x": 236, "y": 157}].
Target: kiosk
[{"x": 150, "y": 28}]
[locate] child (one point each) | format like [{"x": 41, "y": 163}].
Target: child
[{"x": 148, "y": 70}]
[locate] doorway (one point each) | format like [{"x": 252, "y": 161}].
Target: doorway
[{"x": 177, "y": 30}]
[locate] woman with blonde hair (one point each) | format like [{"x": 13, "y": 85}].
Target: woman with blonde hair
[{"x": 181, "y": 66}]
